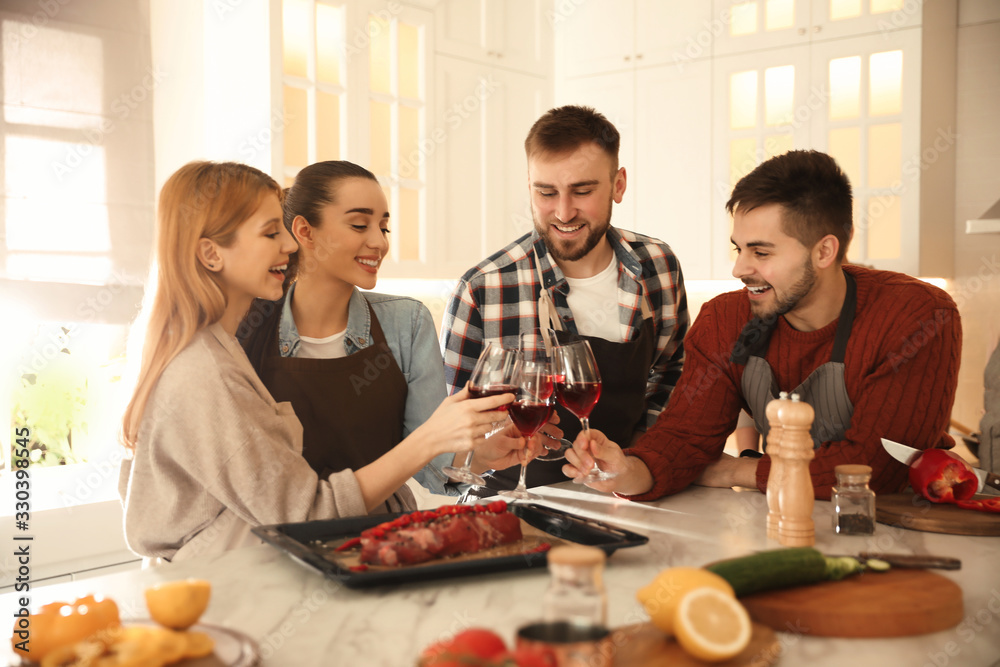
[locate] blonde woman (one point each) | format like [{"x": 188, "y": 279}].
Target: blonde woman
[{"x": 213, "y": 454}]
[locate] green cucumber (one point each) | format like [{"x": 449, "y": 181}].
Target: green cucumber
[{"x": 782, "y": 568}]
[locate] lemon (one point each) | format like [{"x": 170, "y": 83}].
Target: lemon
[
  {"x": 712, "y": 625},
  {"x": 178, "y": 604},
  {"x": 661, "y": 597}
]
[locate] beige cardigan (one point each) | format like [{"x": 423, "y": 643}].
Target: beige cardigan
[{"x": 216, "y": 455}]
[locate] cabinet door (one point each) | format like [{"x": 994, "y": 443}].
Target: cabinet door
[
  {"x": 461, "y": 28},
  {"x": 521, "y": 35},
  {"x": 673, "y": 32},
  {"x": 834, "y": 19},
  {"x": 519, "y": 101},
  {"x": 614, "y": 96},
  {"x": 741, "y": 26},
  {"x": 480, "y": 194},
  {"x": 594, "y": 37},
  {"x": 671, "y": 183},
  {"x": 763, "y": 105},
  {"x": 870, "y": 123}
]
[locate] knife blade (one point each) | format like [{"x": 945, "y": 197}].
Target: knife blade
[
  {"x": 913, "y": 560},
  {"x": 907, "y": 455}
]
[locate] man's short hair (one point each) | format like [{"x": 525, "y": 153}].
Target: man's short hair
[
  {"x": 565, "y": 129},
  {"x": 813, "y": 191}
]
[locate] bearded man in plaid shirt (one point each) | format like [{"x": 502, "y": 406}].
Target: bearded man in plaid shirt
[{"x": 621, "y": 291}]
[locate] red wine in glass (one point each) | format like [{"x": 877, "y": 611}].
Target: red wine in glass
[
  {"x": 529, "y": 416},
  {"x": 578, "y": 397},
  {"x": 495, "y": 390}
]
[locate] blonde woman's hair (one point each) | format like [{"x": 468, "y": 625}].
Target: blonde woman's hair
[{"x": 201, "y": 200}]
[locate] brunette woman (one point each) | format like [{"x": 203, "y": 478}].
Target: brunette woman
[
  {"x": 212, "y": 452},
  {"x": 362, "y": 370}
]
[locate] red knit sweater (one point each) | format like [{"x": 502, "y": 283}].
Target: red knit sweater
[{"x": 901, "y": 370}]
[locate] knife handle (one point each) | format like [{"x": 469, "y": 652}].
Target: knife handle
[
  {"x": 908, "y": 560},
  {"x": 993, "y": 481}
]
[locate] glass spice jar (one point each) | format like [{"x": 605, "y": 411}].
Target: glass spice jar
[
  {"x": 576, "y": 589},
  {"x": 853, "y": 502}
]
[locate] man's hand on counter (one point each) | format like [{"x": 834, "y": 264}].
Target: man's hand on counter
[{"x": 729, "y": 471}]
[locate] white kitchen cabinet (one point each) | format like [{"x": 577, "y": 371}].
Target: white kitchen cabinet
[
  {"x": 512, "y": 34},
  {"x": 646, "y": 66},
  {"x": 600, "y": 36},
  {"x": 480, "y": 195},
  {"x": 881, "y": 104},
  {"x": 742, "y": 26}
]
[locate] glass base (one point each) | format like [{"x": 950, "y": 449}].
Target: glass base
[
  {"x": 519, "y": 494},
  {"x": 595, "y": 475},
  {"x": 464, "y": 475},
  {"x": 554, "y": 450}
]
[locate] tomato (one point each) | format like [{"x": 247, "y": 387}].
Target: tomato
[
  {"x": 472, "y": 643},
  {"x": 533, "y": 657}
]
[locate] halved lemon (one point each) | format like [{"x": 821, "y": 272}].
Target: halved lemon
[
  {"x": 712, "y": 625},
  {"x": 178, "y": 604},
  {"x": 662, "y": 596}
]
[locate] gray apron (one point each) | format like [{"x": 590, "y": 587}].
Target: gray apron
[{"x": 825, "y": 389}]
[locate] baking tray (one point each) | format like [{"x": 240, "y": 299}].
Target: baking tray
[{"x": 310, "y": 541}]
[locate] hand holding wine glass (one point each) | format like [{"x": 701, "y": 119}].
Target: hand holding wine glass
[
  {"x": 533, "y": 404},
  {"x": 492, "y": 375},
  {"x": 578, "y": 387}
]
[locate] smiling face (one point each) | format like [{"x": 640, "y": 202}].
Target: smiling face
[
  {"x": 776, "y": 268},
  {"x": 571, "y": 196},
  {"x": 348, "y": 244},
  {"x": 253, "y": 266}
]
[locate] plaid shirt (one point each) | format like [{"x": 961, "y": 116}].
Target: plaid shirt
[{"x": 498, "y": 298}]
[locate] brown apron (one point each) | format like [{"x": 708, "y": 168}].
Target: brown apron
[
  {"x": 351, "y": 408},
  {"x": 825, "y": 389},
  {"x": 624, "y": 369}
]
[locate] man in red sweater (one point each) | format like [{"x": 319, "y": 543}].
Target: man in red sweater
[{"x": 875, "y": 353}]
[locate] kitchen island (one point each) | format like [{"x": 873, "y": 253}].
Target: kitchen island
[{"x": 300, "y": 618}]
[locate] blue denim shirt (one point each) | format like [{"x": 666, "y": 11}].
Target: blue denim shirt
[{"x": 409, "y": 331}]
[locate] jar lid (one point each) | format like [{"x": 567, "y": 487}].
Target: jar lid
[
  {"x": 852, "y": 469},
  {"x": 576, "y": 554}
]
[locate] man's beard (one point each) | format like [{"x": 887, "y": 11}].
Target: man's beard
[
  {"x": 795, "y": 294},
  {"x": 564, "y": 251}
]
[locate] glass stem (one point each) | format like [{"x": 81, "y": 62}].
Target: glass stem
[
  {"x": 467, "y": 464},
  {"x": 585, "y": 422},
  {"x": 522, "y": 482}
]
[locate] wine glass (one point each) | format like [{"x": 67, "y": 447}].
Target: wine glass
[
  {"x": 534, "y": 404},
  {"x": 492, "y": 375},
  {"x": 578, "y": 386}
]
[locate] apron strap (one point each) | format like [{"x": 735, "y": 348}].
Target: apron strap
[
  {"x": 846, "y": 320},
  {"x": 548, "y": 316}
]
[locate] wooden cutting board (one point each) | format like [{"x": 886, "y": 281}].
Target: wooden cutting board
[
  {"x": 643, "y": 644},
  {"x": 916, "y": 513},
  {"x": 897, "y": 603}
]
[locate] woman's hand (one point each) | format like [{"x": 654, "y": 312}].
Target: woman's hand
[
  {"x": 461, "y": 423},
  {"x": 609, "y": 457}
]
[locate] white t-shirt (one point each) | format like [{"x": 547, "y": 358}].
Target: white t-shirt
[
  {"x": 330, "y": 347},
  {"x": 594, "y": 302}
]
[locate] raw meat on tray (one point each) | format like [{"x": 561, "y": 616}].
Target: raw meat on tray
[{"x": 448, "y": 531}]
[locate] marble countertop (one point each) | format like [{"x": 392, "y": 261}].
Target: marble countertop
[{"x": 300, "y": 618}]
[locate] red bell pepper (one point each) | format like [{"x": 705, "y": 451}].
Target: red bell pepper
[
  {"x": 984, "y": 505},
  {"x": 942, "y": 477}
]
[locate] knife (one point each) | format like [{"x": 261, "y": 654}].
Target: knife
[
  {"x": 912, "y": 560},
  {"x": 908, "y": 454}
]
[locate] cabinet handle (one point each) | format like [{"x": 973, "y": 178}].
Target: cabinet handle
[
  {"x": 490, "y": 54},
  {"x": 499, "y": 54},
  {"x": 628, "y": 58},
  {"x": 638, "y": 56},
  {"x": 802, "y": 31},
  {"x": 817, "y": 28}
]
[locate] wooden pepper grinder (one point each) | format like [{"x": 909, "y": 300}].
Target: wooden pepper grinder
[
  {"x": 773, "y": 450},
  {"x": 795, "y": 494}
]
